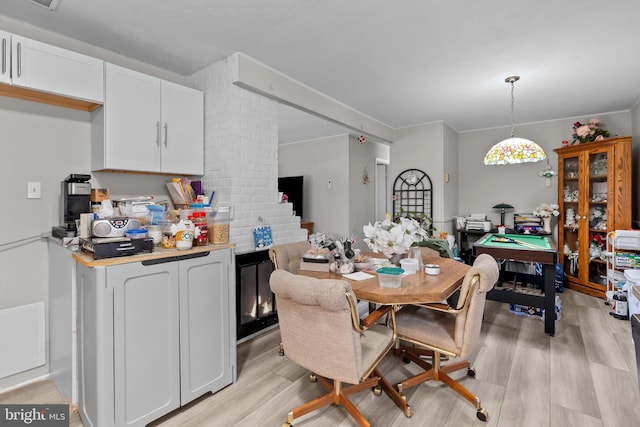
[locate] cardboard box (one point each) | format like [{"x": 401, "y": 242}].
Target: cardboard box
[
  {"x": 627, "y": 259},
  {"x": 314, "y": 266},
  {"x": 100, "y": 194}
]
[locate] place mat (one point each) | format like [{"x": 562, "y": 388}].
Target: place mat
[{"x": 358, "y": 275}]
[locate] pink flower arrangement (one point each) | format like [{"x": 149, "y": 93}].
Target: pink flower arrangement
[{"x": 589, "y": 132}]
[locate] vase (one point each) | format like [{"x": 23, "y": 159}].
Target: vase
[
  {"x": 395, "y": 259},
  {"x": 546, "y": 221}
]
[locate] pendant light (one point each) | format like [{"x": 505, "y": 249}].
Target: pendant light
[{"x": 514, "y": 150}]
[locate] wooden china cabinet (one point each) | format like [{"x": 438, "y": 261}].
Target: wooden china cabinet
[{"x": 594, "y": 195}]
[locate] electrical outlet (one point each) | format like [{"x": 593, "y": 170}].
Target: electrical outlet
[{"x": 34, "y": 190}]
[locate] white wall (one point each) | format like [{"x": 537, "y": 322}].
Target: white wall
[
  {"x": 241, "y": 157},
  {"x": 362, "y": 196},
  {"x": 321, "y": 161},
  {"x": 482, "y": 187},
  {"x": 349, "y": 204},
  {"x": 422, "y": 147}
]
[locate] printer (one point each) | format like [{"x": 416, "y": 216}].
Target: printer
[{"x": 477, "y": 222}]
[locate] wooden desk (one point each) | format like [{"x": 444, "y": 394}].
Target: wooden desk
[
  {"x": 540, "y": 249},
  {"x": 414, "y": 289}
]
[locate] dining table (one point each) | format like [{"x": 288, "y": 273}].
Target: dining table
[{"x": 417, "y": 288}]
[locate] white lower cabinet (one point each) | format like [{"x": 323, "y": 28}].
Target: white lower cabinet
[{"x": 154, "y": 336}]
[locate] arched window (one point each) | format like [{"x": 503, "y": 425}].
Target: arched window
[{"x": 413, "y": 197}]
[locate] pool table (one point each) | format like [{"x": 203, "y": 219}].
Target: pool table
[{"x": 524, "y": 248}]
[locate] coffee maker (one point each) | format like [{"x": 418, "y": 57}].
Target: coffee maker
[{"x": 75, "y": 200}]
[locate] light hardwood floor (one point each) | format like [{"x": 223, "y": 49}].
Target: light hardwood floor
[{"x": 584, "y": 376}]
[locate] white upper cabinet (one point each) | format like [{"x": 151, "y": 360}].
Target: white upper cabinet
[
  {"x": 5, "y": 61},
  {"x": 148, "y": 125},
  {"x": 42, "y": 67}
]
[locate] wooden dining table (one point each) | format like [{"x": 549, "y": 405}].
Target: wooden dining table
[{"x": 418, "y": 288}]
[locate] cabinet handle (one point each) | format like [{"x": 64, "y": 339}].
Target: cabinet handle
[
  {"x": 4, "y": 56},
  {"x": 19, "y": 59},
  {"x": 166, "y": 133},
  {"x": 158, "y": 134}
]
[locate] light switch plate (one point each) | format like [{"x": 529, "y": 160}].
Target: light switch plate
[{"x": 34, "y": 190}]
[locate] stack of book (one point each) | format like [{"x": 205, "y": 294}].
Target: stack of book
[{"x": 527, "y": 223}]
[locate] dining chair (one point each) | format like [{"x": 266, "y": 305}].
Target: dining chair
[
  {"x": 287, "y": 255},
  {"x": 438, "y": 330},
  {"x": 321, "y": 332}
]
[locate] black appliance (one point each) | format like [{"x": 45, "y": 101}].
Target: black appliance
[
  {"x": 116, "y": 246},
  {"x": 75, "y": 200},
  {"x": 293, "y": 187}
]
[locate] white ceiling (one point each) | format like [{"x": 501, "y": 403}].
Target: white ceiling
[{"x": 402, "y": 62}]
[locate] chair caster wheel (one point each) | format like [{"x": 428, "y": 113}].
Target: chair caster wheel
[
  {"x": 407, "y": 412},
  {"x": 312, "y": 378},
  {"x": 482, "y": 414},
  {"x": 405, "y": 359},
  {"x": 471, "y": 372},
  {"x": 377, "y": 390}
]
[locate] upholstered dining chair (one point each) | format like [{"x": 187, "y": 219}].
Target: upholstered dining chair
[
  {"x": 438, "y": 330},
  {"x": 287, "y": 255},
  {"x": 321, "y": 332}
]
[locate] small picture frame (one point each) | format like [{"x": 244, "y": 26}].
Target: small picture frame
[{"x": 262, "y": 237}]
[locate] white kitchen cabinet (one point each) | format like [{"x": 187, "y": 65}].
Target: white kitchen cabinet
[
  {"x": 41, "y": 67},
  {"x": 154, "y": 335},
  {"x": 5, "y": 60},
  {"x": 148, "y": 125}
]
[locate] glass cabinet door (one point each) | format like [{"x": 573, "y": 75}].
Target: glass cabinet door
[
  {"x": 570, "y": 215},
  {"x": 598, "y": 214}
]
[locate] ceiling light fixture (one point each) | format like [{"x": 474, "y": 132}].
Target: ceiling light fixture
[
  {"x": 514, "y": 150},
  {"x": 49, "y": 4}
]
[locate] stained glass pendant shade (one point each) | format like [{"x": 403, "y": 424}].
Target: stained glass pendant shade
[{"x": 514, "y": 150}]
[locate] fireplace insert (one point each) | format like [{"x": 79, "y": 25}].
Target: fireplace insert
[{"x": 256, "y": 307}]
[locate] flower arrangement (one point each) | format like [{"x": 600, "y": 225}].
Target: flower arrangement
[
  {"x": 589, "y": 132},
  {"x": 598, "y": 217},
  {"x": 391, "y": 238},
  {"x": 598, "y": 240},
  {"x": 546, "y": 210}
]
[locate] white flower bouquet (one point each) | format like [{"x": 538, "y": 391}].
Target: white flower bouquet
[
  {"x": 391, "y": 238},
  {"x": 546, "y": 210}
]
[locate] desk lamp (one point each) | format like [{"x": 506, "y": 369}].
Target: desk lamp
[{"x": 502, "y": 207}]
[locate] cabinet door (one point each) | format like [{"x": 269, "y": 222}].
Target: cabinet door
[
  {"x": 146, "y": 341},
  {"x": 5, "y": 60},
  {"x": 598, "y": 212},
  {"x": 131, "y": 120},
  {"x": 59, "y": 71},
  {"x": 182, "y": 129},
  {"x": 207, "y": 345}
]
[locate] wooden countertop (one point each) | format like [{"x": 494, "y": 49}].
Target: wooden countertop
[{"x": 86, "y": 258}]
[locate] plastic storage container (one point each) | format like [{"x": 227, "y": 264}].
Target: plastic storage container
[
  {"x": 219, "y": 225},
  {"x": 136, "y": 234},
  {"x": 390, "y": 277},
  {"x": 184, "y": 232},
  {"x": 201, "y": 237}
]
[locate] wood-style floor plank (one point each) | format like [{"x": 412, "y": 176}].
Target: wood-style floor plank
[{"x": 583, "y": 376}]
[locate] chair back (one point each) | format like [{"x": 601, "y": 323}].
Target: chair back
[
  {"x": 316, "y": 325},
  {"x": 287, "y": 256},
  {"x": 479, "y": 280}
]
